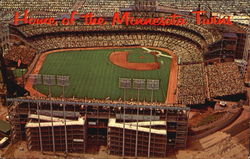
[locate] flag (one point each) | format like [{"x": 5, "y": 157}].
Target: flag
[{"x": 19, "y": 63}]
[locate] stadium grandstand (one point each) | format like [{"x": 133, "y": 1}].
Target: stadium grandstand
[{"x": 60, "y": 99}]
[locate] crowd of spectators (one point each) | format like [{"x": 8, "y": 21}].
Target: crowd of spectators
[
  {"x": 32, "y": 30},
  {"x": 20, "y": 52},
  {"x": 106, "y": 101},
  {"x": 108, "y": 7},
  {"x": 185, "y": 49},
  {"x": 236, "y": 7},
  {"x": 187, "y": 42},
  {"x": 102, "y": 7},
  {"x": 197, "y": 33},
  {"x": 191, "y": 84},
  {"x": 224, "y": 79},
  {"x": 37, "y": 5}
]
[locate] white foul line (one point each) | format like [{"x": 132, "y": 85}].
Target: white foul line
[{"x": 159, "y": 52}]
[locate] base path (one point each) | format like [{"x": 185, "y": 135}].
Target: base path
[
  {"x": 172, "y": 84},
  {"x": 120, "y": 59}
]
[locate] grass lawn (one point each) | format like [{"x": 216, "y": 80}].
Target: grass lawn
[
  {"x": 209, "y": 119},
  {"x": 19, "y": 72},
  {"x": 92, "y": 75}
]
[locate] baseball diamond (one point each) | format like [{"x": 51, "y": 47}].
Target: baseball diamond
[
  {"x": 124, "y": 79},
  {"x": 93, "y": 75}
]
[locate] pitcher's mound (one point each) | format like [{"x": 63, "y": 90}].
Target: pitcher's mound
[{"x": 120, "y": 59}]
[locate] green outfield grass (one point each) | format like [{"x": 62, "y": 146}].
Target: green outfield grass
[
  {"x": 92, "y": 75},
  {"x": 19, "y": 72}
]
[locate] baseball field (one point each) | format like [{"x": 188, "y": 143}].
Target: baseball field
[{"x": 93, "y": 75}]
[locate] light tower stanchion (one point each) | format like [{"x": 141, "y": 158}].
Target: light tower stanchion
[
  {"x": 137, "y": 120},
  {"x": 65, "y": 131},
  {"x": 152, "y": 85},
  {"x": 39, "y": 127},
  {"x": 149, "y": 138},
  {"x": 52, "y": 127},
  {"x": 123, "y": 137},
  {"x": 138, "y": 84},
  {"x": 124, "y": 83}
]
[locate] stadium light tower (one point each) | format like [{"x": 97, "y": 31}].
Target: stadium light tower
[
  {"x": 124, "y": 83},
  {"x": 49, "y": 80},
  {"x": 138, "y": 84},
  {"x": 38, "y": 105},
  {"x": 52, "y": 127},
  {"x": 152, "y": 85},
  {"x": 36, "y": 79},
  {"x": 62, "y": 81}
]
